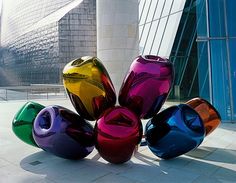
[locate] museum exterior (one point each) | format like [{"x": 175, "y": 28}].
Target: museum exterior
[{"x": 198, "y": 37}]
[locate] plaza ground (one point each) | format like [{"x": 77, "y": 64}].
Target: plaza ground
[{"x": 213, "y": 162}]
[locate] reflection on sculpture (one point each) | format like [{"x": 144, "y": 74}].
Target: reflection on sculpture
[
  {"x": 63, "y": 133},
  {"x": 23, "y": 122},
  {"x": 209, "y": 115},
  {"x": 117, "y": 131},
  {"x": 146, "y": 85},
  {"x": 89, "y": 87},
  {"x": 174, "y": 131}
]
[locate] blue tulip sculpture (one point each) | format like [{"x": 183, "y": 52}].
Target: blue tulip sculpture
[{"x": 174, "y": 131}]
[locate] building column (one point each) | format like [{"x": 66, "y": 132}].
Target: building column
[{"x": 117, "y": 36}]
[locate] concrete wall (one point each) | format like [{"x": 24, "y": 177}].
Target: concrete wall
[{"x": 117, "y": 36}]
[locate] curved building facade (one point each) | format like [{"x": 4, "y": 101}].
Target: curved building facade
[
  {"x": 42, "y": 36},
  {"x": 117, "y": 36}
]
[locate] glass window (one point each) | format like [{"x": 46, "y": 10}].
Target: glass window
[
  {"x": 169, "y": 34},
  {"x": 167, "y": 8},
  {"x": 149, "y": 40},
  {"x": 230, "y": 12},
  {"x": 152, "y": 10},
  {"x": 177, "y": 6},
  {"x": 161, "y": 4},
  {"x": 201, "y": 19},
  {"x": 216, "y": 18},
  {"x": 232, "y": 48},
  {"x": 158, "y": 36},
  {"x": 203, "y": 70},
  {"x": 140, "y": 30},
  {"x": 141, "y": 6},
  {"x": 145, "y": 34},
  {"x": 145, "y": 12},
  {"x": 220, "y": 80}
]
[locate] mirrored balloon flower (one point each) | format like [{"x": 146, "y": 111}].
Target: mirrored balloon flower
[
  {"x": 174, "y": 131},
  {"x": 63, "y": 133},
  {"x": 22, "y": 123},
  {"x": 209, "y": 115},
  {"x": 118, "y": 131},
  {"x": 147, "y": 85},
  {"x": 89, "y": 87}
]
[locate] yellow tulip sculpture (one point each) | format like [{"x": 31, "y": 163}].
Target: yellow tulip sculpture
[{"x": 89, "y": 87}]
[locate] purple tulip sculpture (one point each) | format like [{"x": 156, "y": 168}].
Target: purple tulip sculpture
[
  {"x": 63, "y": 133},
  {"x": 147, "y": 85}
]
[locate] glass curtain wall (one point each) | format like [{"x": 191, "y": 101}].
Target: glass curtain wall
[
  {"x": 168, "y": 29},
  {"x": 158, "y": 24},
  {"x": 216, "y": 48},
  {"x": 199, "y": 37},
  {"x": 184, "y": 55}
]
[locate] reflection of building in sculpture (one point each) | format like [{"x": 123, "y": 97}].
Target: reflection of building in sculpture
[
  {"x": 166, "y": 29},
  {"x": 39, "y": 37},
  {"x": 199, "y": 37}
]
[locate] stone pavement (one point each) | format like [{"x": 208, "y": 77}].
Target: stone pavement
[{"x": 213, "y": 162}]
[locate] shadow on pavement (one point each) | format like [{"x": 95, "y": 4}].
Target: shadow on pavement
[{"x": 141, "y": 167}]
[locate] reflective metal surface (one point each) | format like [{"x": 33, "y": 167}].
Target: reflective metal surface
[
  {"x": 23, "y": 122},
  {"x": 117, "y": 132},
  {"x": 48, "y": 34},
  {"x": 174, "y": 131},
  {"x": 63, "y": 133},
  {"x": 89, "y": 87},
  {"x": 146, "y": 86},
  {"x": 209, "y": 115}
]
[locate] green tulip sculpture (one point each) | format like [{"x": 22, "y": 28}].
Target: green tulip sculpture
[{"x": 22, "y": 123}]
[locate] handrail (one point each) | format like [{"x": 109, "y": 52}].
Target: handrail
[
  {"x": 32, "y": 86},
  {"x": 33, "y": 91}
]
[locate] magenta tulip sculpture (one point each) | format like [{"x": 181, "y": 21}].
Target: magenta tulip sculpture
[
  {"x": 118, "y": 131},
  {"x": 147, "y": 85}
]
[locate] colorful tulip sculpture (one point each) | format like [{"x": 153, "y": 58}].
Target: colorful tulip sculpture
[
  {"x": 146, "y": 85},
  {"x": 63, "y": 133},
  {"x": 174, "y": 131},
  {"x": 209, "y": 115},
  {"x": 22, "y": 123},
  {"x": 118, "y": 129},
  {"x": 89, "y": 87},
  {"x": 118, "y": 132}
]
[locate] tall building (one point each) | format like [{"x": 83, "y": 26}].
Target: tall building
[
  {"x": 39, "y": 37},
  {"x": 199, "y": 38}
]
